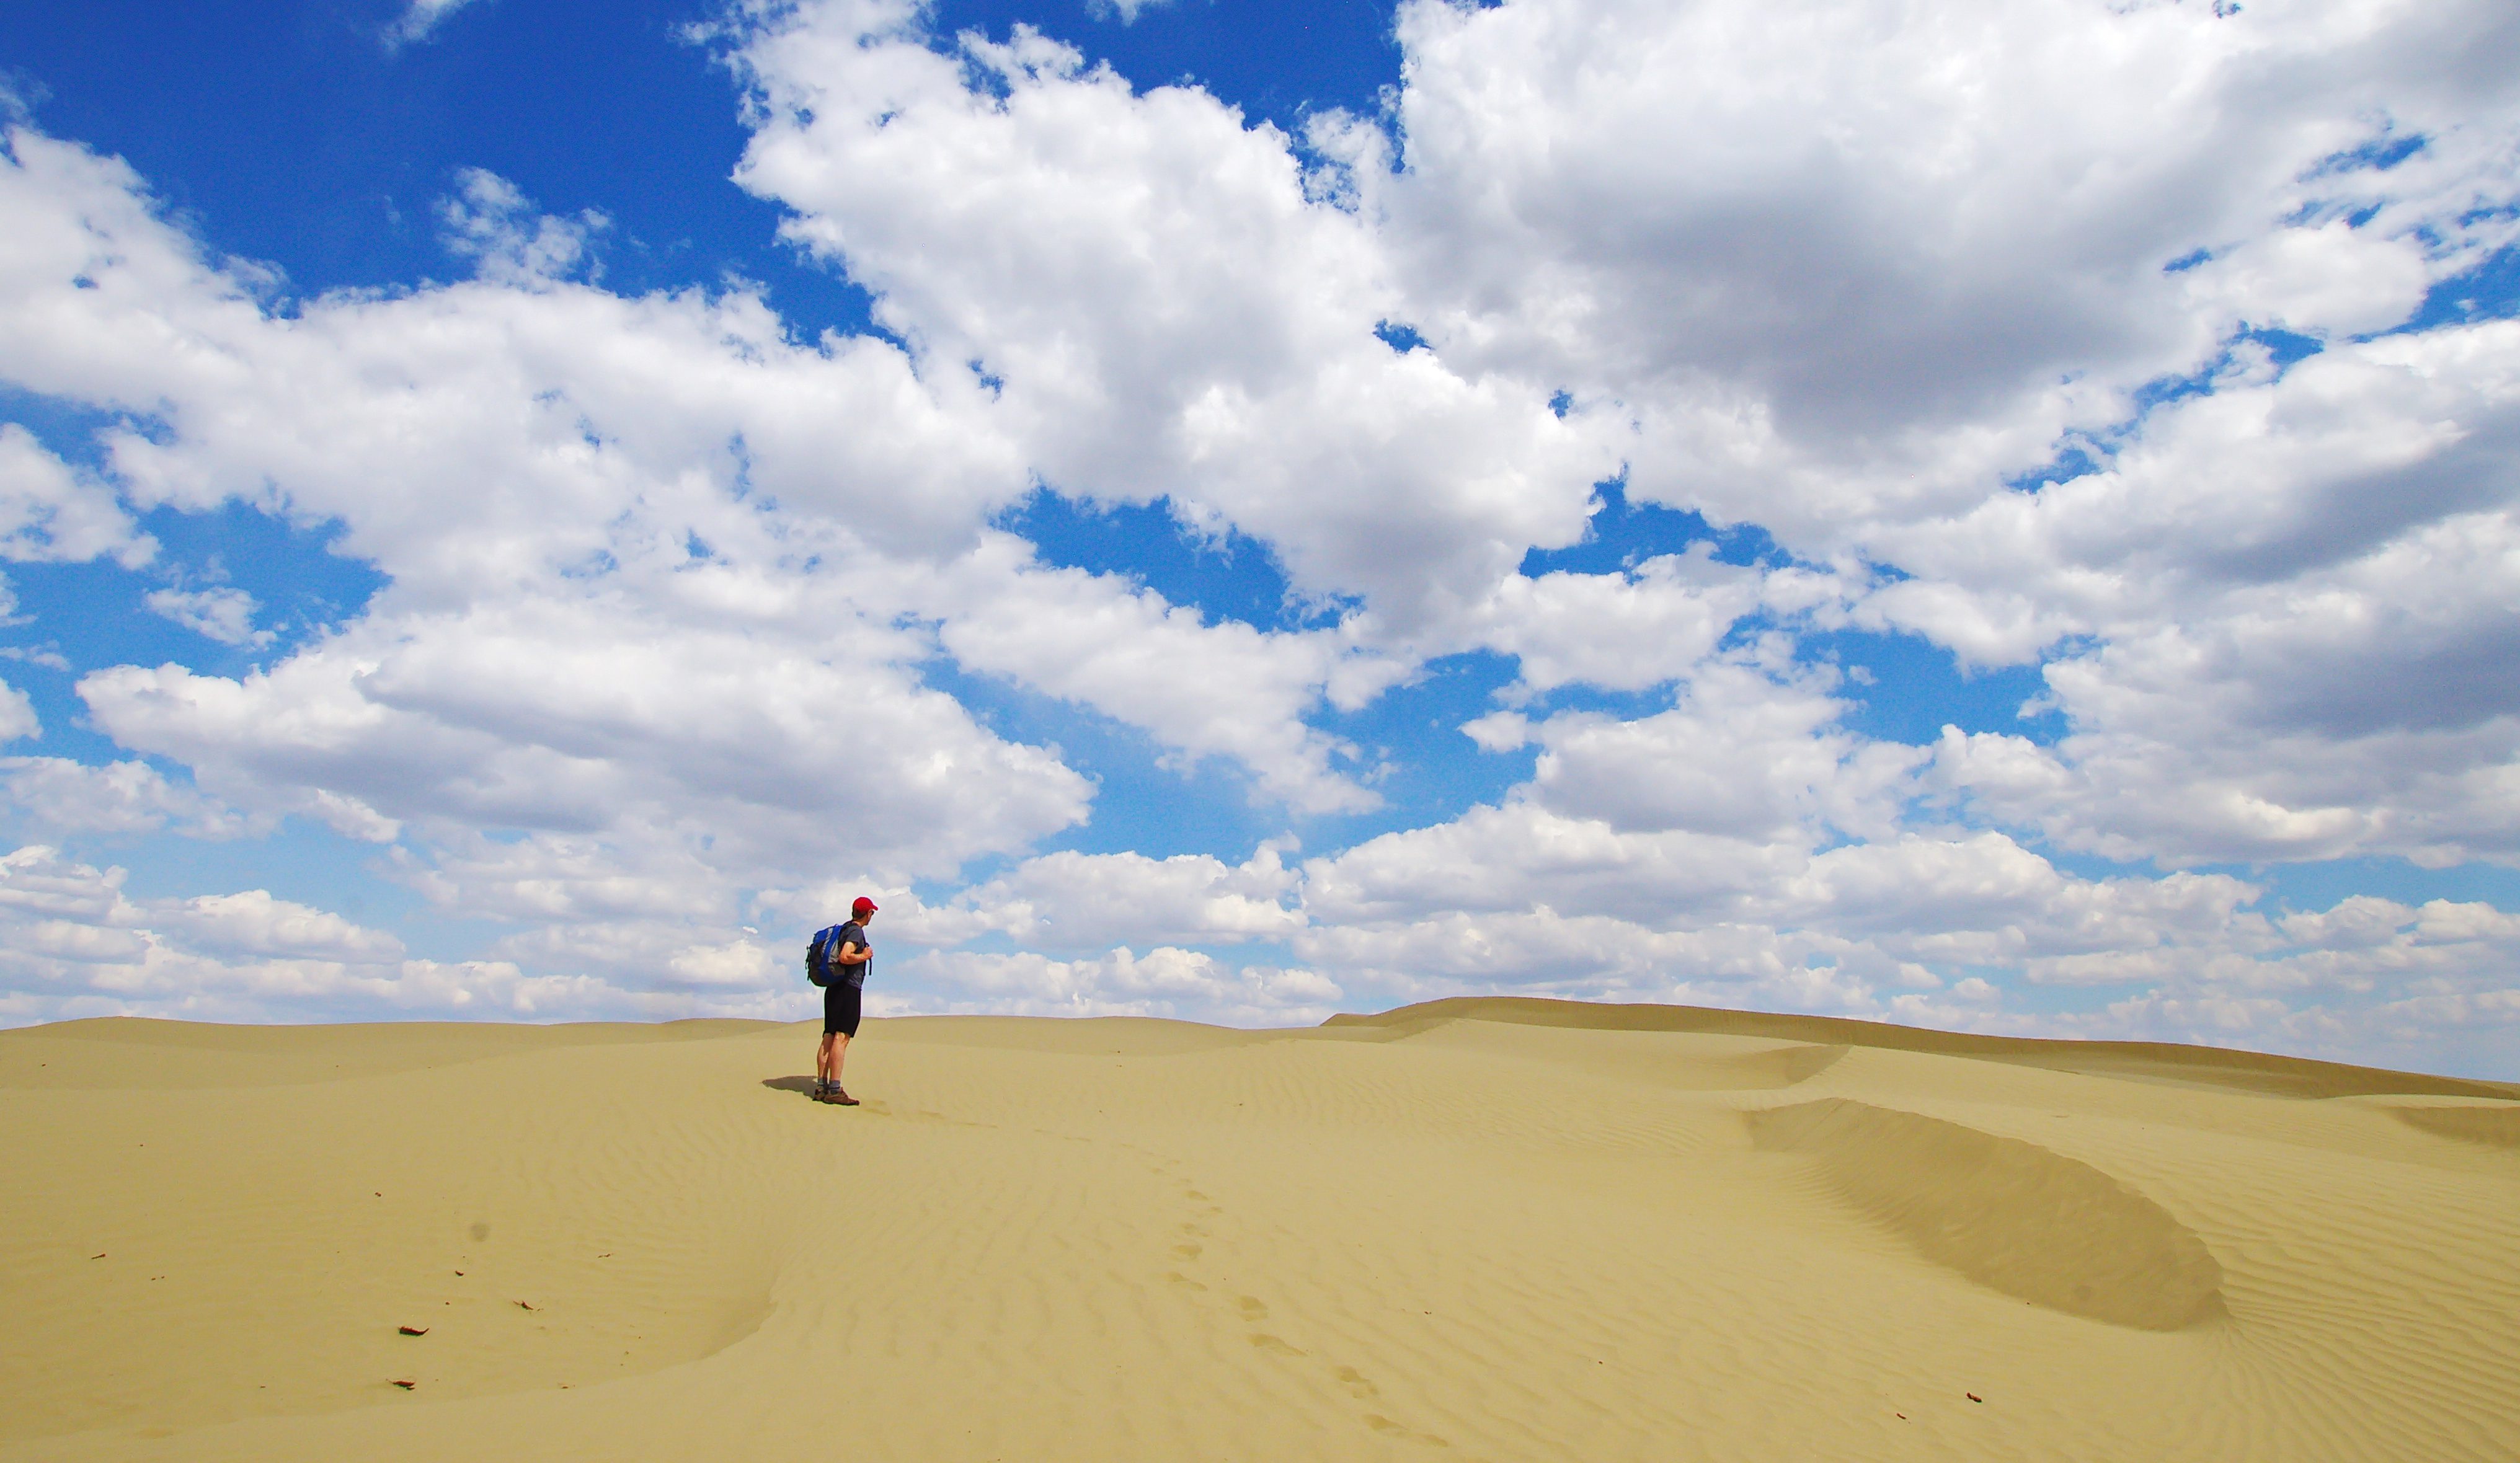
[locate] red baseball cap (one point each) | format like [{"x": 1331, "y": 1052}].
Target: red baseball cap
[{"x": 863, "y": 905}]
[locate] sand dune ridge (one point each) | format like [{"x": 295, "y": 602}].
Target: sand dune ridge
[
  {"x": 2010, "y": 1215},
  {"x": 2489, "y": 1126},
  {"x": 2254, "y": 1071}
]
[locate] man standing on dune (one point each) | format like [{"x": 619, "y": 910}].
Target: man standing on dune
[{"x": 851, "y": 957}]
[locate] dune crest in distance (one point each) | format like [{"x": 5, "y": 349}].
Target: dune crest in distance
[
  {"x": 1493, "y": 1229},
  {"x": 2490, "y": 1127}
]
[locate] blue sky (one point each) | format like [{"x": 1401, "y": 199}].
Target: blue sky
[{"x": 1244, "y": 510}]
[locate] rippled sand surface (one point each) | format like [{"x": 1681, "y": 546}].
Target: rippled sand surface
[{"x": 1485, "y": 1230}]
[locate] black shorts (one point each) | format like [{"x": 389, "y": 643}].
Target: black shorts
[{"x": 840, "y": 1004}]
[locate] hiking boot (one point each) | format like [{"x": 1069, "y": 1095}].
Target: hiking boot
[{"x": 840, "y": 1096}]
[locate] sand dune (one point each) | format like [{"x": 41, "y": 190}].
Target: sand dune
[
  {"x": 2497, "y": 1127},
  {"x": 2014, "y": 1216},
  {"x": 1491, "y": 1229}
]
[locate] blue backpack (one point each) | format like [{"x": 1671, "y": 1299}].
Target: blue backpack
[{"x": 818, "y": 956}]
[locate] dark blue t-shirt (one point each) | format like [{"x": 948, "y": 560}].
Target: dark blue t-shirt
[{"x": 852, "y": 976}]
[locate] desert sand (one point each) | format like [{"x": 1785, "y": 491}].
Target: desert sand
[{"x": 1482, "y": 1229}]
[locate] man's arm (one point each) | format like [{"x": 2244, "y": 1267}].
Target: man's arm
[{"x": 851, "y": 954}]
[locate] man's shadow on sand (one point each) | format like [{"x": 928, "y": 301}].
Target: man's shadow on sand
[{"x": 804, "y": 1084}]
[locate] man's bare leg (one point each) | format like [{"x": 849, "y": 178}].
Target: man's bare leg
[
  {"x": 839, "y": 1054},
  {"x": 824, "y": 1071}
]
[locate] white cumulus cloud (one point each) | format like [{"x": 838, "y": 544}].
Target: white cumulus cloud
[{"x": 2056, "y": 334}]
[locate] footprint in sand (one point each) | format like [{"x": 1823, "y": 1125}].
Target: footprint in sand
[
  {"x": 1390, "y": 1429},
  {"x": 1358, "y": 1386}
]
